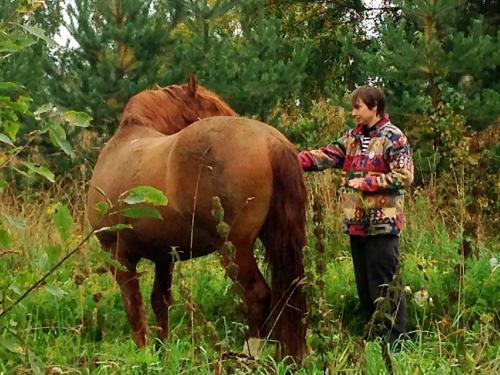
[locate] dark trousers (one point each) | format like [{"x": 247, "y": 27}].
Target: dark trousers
[{"x": 375, "y": 259}]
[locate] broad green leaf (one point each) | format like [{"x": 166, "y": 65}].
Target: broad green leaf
[
  {"x": 37, "y": 366},
  {"x": 146, "y": 194},
  {"x": 14, "y": 222},
  {"x": 3, "y": 183},
  {"x": 102, "y": 208},
  {"x": 5, "y": 239},
  {"x": 22, "y": 104},
  {"x": 10, "y": 86},
  {"x": 114, "y": 228},
  {"x": 11, "y": 345},
  {"x": 40, "y": 33},
  {"x": 5, "y": 139},
  {"x": 137, "y": 212},
  {"x": 11, "y": 128},
  {"x": 80, "y": 119},
  {"x": 134, "y": 199},
  {"x": 55, "y": 290},
  {"x": 63, "y": 221},
  {"x": 53, "y": 253},
  {"x": 41, "y": 170},
  {"x": 58, "y": 137}
]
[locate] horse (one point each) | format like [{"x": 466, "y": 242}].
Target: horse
[{"x": 187, "y": 142}]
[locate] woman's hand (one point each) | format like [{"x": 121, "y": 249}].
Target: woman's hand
[{"x": 355, "y": 183}]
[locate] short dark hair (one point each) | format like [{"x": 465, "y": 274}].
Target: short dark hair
[{"x": 372, "y": 96}]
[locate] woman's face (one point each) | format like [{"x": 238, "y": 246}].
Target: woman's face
[{"x": 364, "y": 115}]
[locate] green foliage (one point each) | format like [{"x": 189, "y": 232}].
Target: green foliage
[
  {"x": 12, "y": 108},
  {"x": 40, "y": 170},
  {"x": 322, "y": 26},
  {"x": 146, "y": 194},
  {"x": 5, "y": 238},
  {"x": 26, "y": 53},
  {"x": 18, "y": 130},
  {"x": 128, "y": 46},
  {"x": 252, "y": 64},
  {"x": 122, "y": 48},
  {"x": 426, "y": 56},
  {"x": 374, "y": 361},
  {"x": 137, "y": 212},
  {"x": 77, "y": 321},
  {"x": 319, "y": 126},
  {"x": 139, "y": 196},
  {"x": 63, "y": 221},
  {"x": 481, "y": 289}
]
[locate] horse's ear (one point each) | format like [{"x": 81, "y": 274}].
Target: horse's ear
[{"x": 192, "y": 84}]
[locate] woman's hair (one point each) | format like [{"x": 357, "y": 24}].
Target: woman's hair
[{"x": 372, "y": 96}]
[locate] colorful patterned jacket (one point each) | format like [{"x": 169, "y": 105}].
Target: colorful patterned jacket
[{"x": 386, "y": 169}]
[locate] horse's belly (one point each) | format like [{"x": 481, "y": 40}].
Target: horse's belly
[{"x": 174, "y": 238}]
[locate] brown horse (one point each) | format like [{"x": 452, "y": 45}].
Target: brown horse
[{"x": 167, "y": 139}]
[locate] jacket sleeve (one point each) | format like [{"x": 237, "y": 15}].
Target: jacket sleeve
[
  {"x": 331, "y": 156},
  {"x": 400, "y": 165}
]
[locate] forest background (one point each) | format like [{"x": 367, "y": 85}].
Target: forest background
[{"x": 291, "y": 64}]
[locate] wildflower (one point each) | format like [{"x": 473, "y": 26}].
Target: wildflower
[
  {"x": 421, "y": 296},
  {"x": 407, "y": 290}
]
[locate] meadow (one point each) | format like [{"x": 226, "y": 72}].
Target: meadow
[
  {"x": 74, "y": 323},
  {"x": 66, "y": 66}
]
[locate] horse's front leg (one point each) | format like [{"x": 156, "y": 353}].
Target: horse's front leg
[
  {"x": 132, "y": 299},
  {"x": 161, "y": 295}
]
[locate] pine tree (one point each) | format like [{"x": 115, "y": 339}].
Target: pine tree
[
  {"x": 126, "y": 46},
  {"x": 122, "y": 49},
  {"x": 323, "y": 25},
  {"x": 244, "y": 57},
  {"x": 427, "y": 56}
]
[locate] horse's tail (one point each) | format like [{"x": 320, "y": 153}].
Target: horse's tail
[{"x": 284, "y": 236}]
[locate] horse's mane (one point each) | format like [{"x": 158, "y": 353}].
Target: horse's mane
[{"x": 172, "y": 108}]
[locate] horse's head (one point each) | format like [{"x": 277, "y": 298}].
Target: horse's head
[{"x": 172, "y": 108}]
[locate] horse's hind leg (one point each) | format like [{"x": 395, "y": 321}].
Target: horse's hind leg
[
  {"x": 256, "y": 292},
  {"x": 128, "y": 281},
  {"x": 161, "y": 296}
]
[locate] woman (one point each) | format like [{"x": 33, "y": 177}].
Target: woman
[{"x": 376, "y": 159}]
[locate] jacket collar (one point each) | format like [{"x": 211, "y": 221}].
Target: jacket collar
[{"x": 358, "y": 130}]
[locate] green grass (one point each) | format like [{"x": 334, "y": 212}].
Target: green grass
[{"x": 76, "y": 323}]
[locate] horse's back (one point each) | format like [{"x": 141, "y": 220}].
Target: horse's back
[{"x": 227, "y": 157}]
